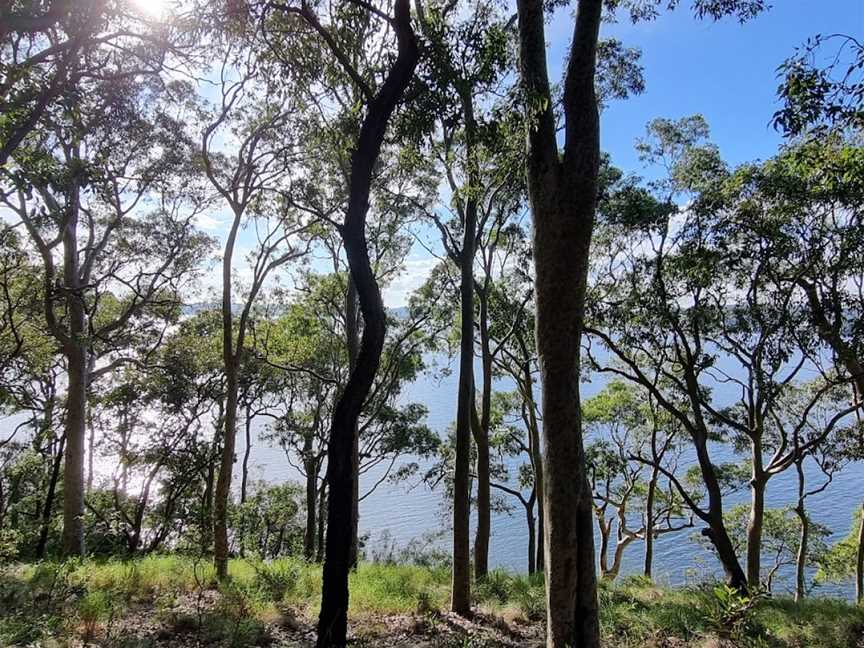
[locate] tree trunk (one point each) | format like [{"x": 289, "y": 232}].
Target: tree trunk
[
  {"x": 460, "y": 601},
  {"x": 352, "y": 334},
  {"x": 755, "y": 524},
  {"x": 532, "y": 535},
  {"x": 48, "y": 508},
  {"x": 333, "y": 618},
  {"x": 322, "y": 523},
  {"x": 534, "y": 448},
  {"x": 226, "y": 467},
  {"x": 801, "y": 555},
  {"x": 311, "y": 504},
  {"x": 859, "y": 563},
  {"x": 563, "y": 196},
  {"x": 76, "y": 353},
  {"x": 244, "y": 481},
  {"x": 649, "y": 523},
  {"x": 481, "y": 439}
]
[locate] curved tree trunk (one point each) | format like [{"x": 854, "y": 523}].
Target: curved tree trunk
[{"x": 333, "y": 618}]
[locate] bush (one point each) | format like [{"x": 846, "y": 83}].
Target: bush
[{"x": 277, "y": 579}]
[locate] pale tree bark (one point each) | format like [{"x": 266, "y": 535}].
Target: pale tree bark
[{"x": 563, "y": 197}]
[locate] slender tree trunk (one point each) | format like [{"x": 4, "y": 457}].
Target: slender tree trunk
[
  {"x": 48, "y": 508},
  {"x": 244, "y": 481},
  {"x": 460, "y": 599},
  {"x": 311, "y": 505},
  {"x": 859, "y": 563},
  {"x": 481, "y": 439},
  {"x": 649, "y": 523},
  {"x": 226, "y": 467},
  {"x": 801, "y": 555},
  {"x": 333, "y": 618},
  {"x": 91, "y": 447},
  {"x": 563, "y": 194},
  {"x": 352, "y": 334},
  {"x": 322, "y": 523},
  {"x": 757, "y": 517},
  {"x": 532, "y": 535},
  {"x": 533, "y": 426},
  {"x": 605, "y": 531}
]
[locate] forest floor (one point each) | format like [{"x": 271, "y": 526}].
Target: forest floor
[{"x": 175, "y": 602}]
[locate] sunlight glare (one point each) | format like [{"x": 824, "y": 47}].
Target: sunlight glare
[{"x": 152, "y": 7}]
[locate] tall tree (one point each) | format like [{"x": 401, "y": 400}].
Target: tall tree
[
  {"x": 379, "y": 104},
  {"x": 562, "y": 191}
]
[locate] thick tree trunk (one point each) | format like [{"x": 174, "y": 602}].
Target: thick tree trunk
[
  {"x": 563, "y": 195},
  {"x": 226, "y": 467},
  {"x": 481, "y": 439},
  {"x": 77, "y": 364},
  {"x": 48, "y": 507},
  {"x": 333, "y": 618}
]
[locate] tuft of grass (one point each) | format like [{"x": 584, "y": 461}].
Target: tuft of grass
[{"x": 397, "y": 589}]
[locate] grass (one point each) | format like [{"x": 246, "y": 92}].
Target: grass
[{"x": 86, "y": 600}]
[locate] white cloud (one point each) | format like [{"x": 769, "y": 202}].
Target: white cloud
[{"x": 416, "y": 271}]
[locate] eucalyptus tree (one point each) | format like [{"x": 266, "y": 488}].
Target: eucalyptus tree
[
  {"x": 563, "y": 190},
  {"x": 102, "y": 195},
  {"x": 51, "y": 50},
  {"x": 627, "y": 439},
  {"x": 381, "y": 89},
  {"x": 466, "y": 63},
  {"x": 261, "y": 122}
]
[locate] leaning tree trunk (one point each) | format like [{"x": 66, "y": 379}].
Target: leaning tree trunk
[
  {"x": 48, "y": 508},
  {"x": 563, "y": 196},
  {"x": 333, "y": 618}
]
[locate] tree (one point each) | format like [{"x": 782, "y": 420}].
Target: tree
[
  {"x": 468, "y": 141},
  {"x": 251, "y": 184},
  {"x": 87, "y": 173},
  {"x": 379, "y": 105}
]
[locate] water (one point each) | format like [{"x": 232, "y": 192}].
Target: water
[{"x": 408, "y": 511}]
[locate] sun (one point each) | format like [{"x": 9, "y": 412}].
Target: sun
[{"x": 152, "y": 7}]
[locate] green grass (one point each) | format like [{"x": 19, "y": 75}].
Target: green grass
[{"x": 52, "y": 599}]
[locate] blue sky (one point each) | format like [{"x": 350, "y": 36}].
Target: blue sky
[{"x": 723, "y": 70}]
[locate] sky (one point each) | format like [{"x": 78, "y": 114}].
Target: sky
[{"x": 724, "y": 70}]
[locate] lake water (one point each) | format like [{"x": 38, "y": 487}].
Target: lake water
[{"x": 405, "y": 512}]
